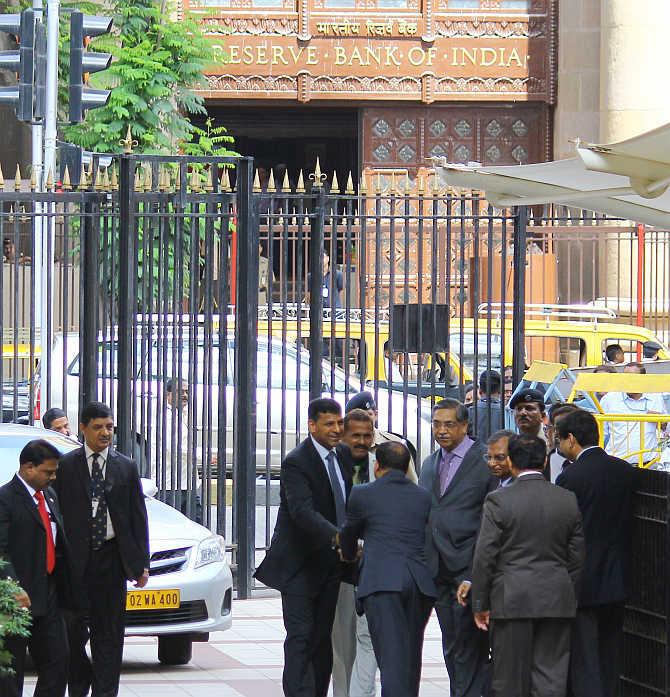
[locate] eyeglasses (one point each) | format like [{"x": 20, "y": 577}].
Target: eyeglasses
[
  {"x": 449, "y": 425},
  {"x": 496, "y": 458}
]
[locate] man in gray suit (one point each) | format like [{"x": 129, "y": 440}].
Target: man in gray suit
[
  {"x": 524, "y": 578},
  {"x": 458, "y": 480},
  {"x": 395, "y": 586}
]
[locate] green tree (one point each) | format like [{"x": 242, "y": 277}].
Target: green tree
[
  {"x": 158, "y": 63},
  {"x": 14, "y": 620}
]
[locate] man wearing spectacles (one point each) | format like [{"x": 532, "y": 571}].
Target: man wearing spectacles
[
  {"x": 497, "y": 457},
  {"x": 459, "y": 480}
]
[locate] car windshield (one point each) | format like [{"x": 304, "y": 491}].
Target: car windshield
[
  {"x": 11, "y": 444},
  {"x": 468, "y": 357}
]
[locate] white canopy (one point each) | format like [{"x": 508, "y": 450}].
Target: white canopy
[{"x": 628, "y": 180}]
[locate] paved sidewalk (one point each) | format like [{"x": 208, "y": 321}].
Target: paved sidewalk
[{"x": 245, "y": 661}]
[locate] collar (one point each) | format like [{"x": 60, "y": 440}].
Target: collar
[
  {"x": 528, "y": 473},
  {"x": 31, "y": 491},
  {"x": 323, "y": 452},
  {"x": 590, "y": 447},
  {"x": 461, "y": 450},
  {"x": 507, "y": 481},
  {"x": 103, "y": 454},
  {"x": 628, "y": 398}
]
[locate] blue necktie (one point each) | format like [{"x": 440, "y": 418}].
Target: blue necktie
[{"x": 340, "y": 507}]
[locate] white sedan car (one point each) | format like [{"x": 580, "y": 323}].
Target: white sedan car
[{"x": 190, "y": 587}]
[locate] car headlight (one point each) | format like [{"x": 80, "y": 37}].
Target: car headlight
[{"x": 210, "y": 550}]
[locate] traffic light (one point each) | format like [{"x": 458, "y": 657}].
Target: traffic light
[
  {"x": 82, "y": 62},
  {"x": 20, "y": 61}
]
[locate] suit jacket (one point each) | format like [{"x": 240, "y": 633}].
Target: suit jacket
[
  {"x": 23, "y": 546},
  {"x": 301, "y": 558},
  {"x": 529, "y": 552},
  {"x": 455, "y": 517},
  {"x": 390, "y": 514},
  {"x": 125, "y": 503},
  {"x": 603, "y": 486}
]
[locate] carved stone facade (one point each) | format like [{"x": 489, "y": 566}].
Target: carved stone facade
[{"x": 491, "y": 66}]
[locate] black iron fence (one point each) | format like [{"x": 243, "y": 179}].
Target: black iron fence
[{"x": 207, "y": 311}]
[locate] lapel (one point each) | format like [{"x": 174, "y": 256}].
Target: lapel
[
  {"x": 111, "y": 470},
  {"x": 317, "y": 466},
  {"x": 83, "y": 476},
  {"x": 54, "y": 508},
  {"x": 21, "y": 491},
  {"x": 437, "y": 459}
]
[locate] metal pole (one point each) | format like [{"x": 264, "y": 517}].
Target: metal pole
[
  {"x": 639, "y": 315},
  {"x": 315, "y": 294},
  {"x": 244, "y": 405},
  {"x": 88, "y": 384},
  {"x": 51, "y": 111},
  {"x": 127, "y": 285},
  {"x": 518, "y": 314}
]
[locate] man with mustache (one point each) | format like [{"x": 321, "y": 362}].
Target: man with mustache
[
  {"x": 528, "y": 407},
  {"x": 105, "y": 521}
]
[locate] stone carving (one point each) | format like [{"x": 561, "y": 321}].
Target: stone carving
[
  {"x": 254, "y": 26},
  {"x": 253, "y": 83},
  {"x": 327, "y": 83},
  {"x": 492, "y": 28}
]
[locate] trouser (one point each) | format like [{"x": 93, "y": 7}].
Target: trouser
[
  {"x": 597, "y": 635},
  {"x": 465, "y": 648},
  {"x": 365, "y": 664},
  {"x": 103, "y": 624},
  {"x": 344, "y": 640},
  {"x": 308, "y": 652},
  {"x": 397, "y": 621},
  {"x": 530, "y": 657},
  {"x": 48, "y": 647}
]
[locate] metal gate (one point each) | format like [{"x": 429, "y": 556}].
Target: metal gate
[{"x": 209, "y": 310}]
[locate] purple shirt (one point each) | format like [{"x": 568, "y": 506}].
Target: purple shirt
[{"x": 451, "y": 461}]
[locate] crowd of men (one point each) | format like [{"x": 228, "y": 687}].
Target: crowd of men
[{"x": 527, "y": 577}]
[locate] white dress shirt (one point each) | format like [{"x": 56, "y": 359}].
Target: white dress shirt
[
  {"x": 32, "y": 492},
  {"x": 178, "y": 459},
  {"x": 102, "y": 463},
  {"x": 624, "y": 436},
  {"x": 323, "y": 454}
]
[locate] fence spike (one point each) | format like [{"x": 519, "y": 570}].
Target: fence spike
[
  {"x": 350, "y": 185},
  {"x": 137, "y": 181},
  {"x": 114, "y": 180},
  {"x": 436, "y": 186},
  {"x": 408, "y": 184},
  {"x": 209, "y": 176},
  {"x": 33, "y": 180},
  {"x": 421, "y": 185},
  {"x": 105, "y": 180},
  {"x": 50, "y": 180},
  {"x": 271, "y": 182},
  {"x": 317, "y": 171},
  {"x": 363, "y": 187},
  {"x": 67, "y": 184},
  {"x": 195, "y": 180},
  {"x": 300, "y": 189},
  {"x": 336, "y": 185},
  {"x": 83, "y": 182},
  {"x": 148, "y": 179},
  {"x": 2, "y": 180},
  {"x": 17, "y": 179},
  {"x": 378, "y": 187},
  {"x": 286, "y": 184},
  {"x": 225, "y": 180},
  {"x": 393, "y": 189},
  {"x": 10, "y": 217},
  {"x": 257, "y": 183},
  {"x": 99, "y": 186}
]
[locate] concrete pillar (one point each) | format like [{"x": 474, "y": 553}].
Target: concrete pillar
[
  {"x": 578, "y": 101},
  {"x": 634, "y": 94}
]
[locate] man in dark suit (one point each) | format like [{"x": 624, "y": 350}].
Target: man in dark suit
[
  {"x": 395, "y": 585},
  {"x": 524, "y": 576},
  {"x": 458, "y": 479},
  {"x": 106, "y": 523},
  {"x": 33, "y": 545},
  {"x": 302, "y": 562},
  {"x": 604, "y": 486}
]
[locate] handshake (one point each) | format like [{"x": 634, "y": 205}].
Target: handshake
[{"x": 336, "y": 546}]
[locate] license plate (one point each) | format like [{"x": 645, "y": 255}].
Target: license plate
[{"x": 152, "y": 600}]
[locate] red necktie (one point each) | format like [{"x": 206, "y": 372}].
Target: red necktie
[{"x": 44, "y": 515}]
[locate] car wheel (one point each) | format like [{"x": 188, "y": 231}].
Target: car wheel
[{"x": 175, "y": 650}]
